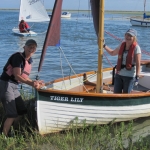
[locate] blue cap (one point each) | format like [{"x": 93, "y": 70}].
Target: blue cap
[
  {"x": 30, "y": 42},
  {"x": 132, "y": 32}
]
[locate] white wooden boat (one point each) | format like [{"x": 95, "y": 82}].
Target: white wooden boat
[
  {"x": 65, "y": 15},
  {"x": 31, "y": 11},
  {"x": 141, "y": 21},
  {"x": 87, "y": 98}
]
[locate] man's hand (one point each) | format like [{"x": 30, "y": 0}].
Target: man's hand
[{"x": 38, "y": 84}]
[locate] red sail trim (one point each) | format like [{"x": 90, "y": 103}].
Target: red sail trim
[{"x": 53, "y": 32}]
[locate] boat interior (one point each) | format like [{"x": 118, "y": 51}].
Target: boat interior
[{"x": 86, "y": 82}]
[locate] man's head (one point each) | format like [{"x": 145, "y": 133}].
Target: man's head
[
  {"x": 22, "y": 21},
  {"x": 30, "y": 42},
  {"x": 30, "y": 47}
]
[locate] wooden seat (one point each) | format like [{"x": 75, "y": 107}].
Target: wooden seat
[{"x": 83, "y": 88}]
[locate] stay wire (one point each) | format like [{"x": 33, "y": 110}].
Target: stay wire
[
  {"x": 63, "y": 83},
  {"x": 81, "y": 82}
]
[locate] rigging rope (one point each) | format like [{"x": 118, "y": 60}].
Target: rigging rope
[
  {"x": 108, "y": 60},
  {"x": 143, "y": 51},
  {"x": 81, "y": 82},
  {"x": 63, "y": 83}
]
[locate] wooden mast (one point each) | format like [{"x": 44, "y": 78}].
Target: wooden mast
[{"x": 99, "y": 87}]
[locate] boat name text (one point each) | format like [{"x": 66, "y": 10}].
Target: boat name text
[{"x": 66, "y": 99}]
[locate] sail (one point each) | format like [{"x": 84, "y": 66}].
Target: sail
[
  {"x": 97, "y": 7},
  {"x": 95, "y": 13},
  {"x": 53, "y": 32},
  {"x": 33, "y": 11}
]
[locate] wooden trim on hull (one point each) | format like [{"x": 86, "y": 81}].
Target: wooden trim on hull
[{"x": 131, "y": 95}]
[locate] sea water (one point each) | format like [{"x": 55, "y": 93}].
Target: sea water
[{"x": 79, "y": 50}]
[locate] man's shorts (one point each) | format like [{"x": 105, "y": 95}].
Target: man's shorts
[{"x": 11, "y": 99}]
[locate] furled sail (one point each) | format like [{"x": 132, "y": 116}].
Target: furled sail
[
  {"x": 53, "y": 32},
  {"x": 97, "y": 7},
  {"x": 95, "y": 13},
  {"x": 33, "y": 11}
]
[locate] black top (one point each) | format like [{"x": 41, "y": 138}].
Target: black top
[{"x": 15, "y": 60}]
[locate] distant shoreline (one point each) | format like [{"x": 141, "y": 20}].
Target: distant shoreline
[{"x": 106, "y": 11}]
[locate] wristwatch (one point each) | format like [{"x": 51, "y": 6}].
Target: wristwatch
[{"x": 104, "y": 45}]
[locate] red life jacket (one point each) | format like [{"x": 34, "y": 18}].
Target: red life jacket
[
  {"x": 22, "y": 27},
  {"x": 25, "y": 72},
  {"x": 129, "y": 57},
  {"x": 27, "y": 69},
  {"x": 26, "y": 25}
]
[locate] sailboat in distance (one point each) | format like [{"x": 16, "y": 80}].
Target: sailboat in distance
[
  {"x": 87, "y": 98},
  {"x": 141, "y": 21},
  {"x": 31, "y": 11}
]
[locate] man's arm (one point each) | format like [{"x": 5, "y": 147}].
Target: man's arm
[{"x": 17, "y": 74}]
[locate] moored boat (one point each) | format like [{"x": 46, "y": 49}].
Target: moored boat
[
  {"x": 65, "y": 15},
  {"x": 87, "y": 98},
  {"x": 141, "y": 21}
]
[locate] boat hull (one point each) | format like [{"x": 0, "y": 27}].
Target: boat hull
[
  {"x": 18, "y": 33},
  {"x": 66, "y": 15},
  {"x": 140, "y": 22},
  {"x": 57, "y": 111}
]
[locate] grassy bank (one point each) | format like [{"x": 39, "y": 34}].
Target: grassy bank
[
  {"x": 106, "y": 137},
  {"x": 121, "y": 136}
]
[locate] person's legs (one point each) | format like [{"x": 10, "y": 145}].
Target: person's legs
[
  {"x": 21, "y": 110},
  {"x": 7, "y": 124},
  {"x": 28, "y": 29},
  {"x": 24, "y": 31},
  {"x": 128, "y": 84},
  {"x": 118, "y": 85},
  {"x": 8, "y": 101}
]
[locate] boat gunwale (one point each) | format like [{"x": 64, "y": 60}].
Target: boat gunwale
[{"x": 130, "y": 95}]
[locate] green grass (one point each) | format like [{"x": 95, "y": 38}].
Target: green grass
[
  {"x": 106, "y": 137},
  {"x": 121, "y": 136}
]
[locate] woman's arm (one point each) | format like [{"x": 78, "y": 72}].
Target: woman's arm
[
  {"x": 111, "y": 51},
  {"x": 138, "y": 65}
]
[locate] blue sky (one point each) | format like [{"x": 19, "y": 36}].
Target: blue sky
[{"x": 126, "y": 5}]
